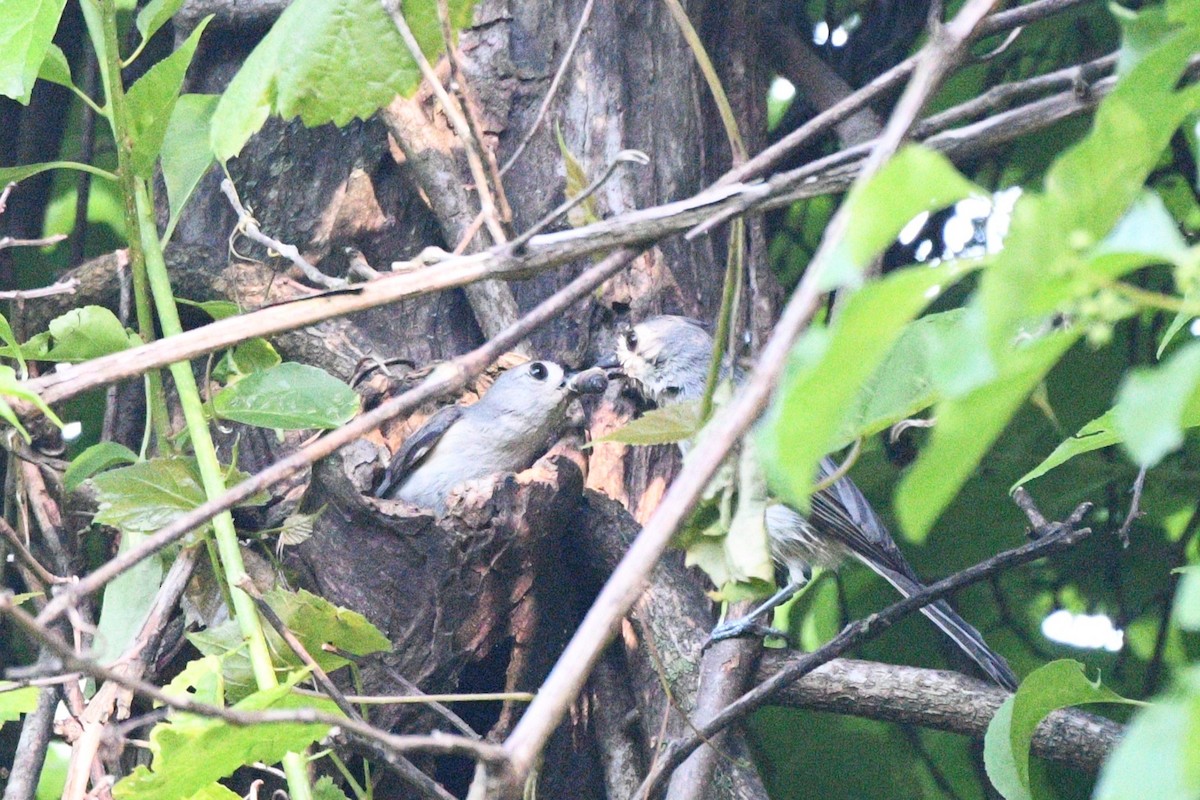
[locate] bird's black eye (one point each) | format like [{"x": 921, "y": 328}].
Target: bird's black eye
[
  {"x": 538, "y": 370},
  {"x": 631, "y": 339}
]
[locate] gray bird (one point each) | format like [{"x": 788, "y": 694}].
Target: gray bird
[
  {"x": 504, "y": 431},
  {"x": 667, "y": 358}
]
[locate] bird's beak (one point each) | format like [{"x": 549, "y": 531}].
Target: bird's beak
[
  {"x": 610, "y": 364},
  {"x": 589, "y": 381}
]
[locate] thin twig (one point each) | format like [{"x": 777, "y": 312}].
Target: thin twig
[
  {"x": 1135, "y": 510},
  {"x": 467, "y": 102},
  {"x": 559, "y": 73},
  {"x": 1060, "y": 538},
  {"x": 457, "y": 121},
  {"x": 47, "y": 577},
  {"x": 623, "y": 157},
  {"x": 448, "y": 378},
  {"x": 729, "y": 425},
  {"x": 436, "y": 743},
  {"x": 8, "y": 241},
  {"x": 408, "y": 771},
  {"x": 8, "y": 187},
  {"x": 248, "y": 226}
]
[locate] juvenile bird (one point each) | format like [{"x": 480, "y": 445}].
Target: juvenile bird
[
  {"x": 667, "y": 360},
  {"x": 504, "y": 431}
]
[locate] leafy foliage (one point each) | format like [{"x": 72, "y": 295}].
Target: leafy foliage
[{"x": 288, "y": 396}]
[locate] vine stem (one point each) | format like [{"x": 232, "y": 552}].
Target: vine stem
[{"x": 151, "y": 282}]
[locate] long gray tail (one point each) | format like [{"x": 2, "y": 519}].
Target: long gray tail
[{"x": 969, "y": 640}]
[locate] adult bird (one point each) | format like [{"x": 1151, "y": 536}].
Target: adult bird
[
  {"x": 667, "y": 358},
  {"x": 504, "y": 431}
]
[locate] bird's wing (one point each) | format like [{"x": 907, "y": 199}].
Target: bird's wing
[
  {"x": 416, "y": 447},
  {"x": 842, "y": 512}
]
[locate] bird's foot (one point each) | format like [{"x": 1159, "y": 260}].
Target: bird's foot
[{"x": 746, "y": 626}]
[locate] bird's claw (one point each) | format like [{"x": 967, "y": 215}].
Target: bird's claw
[{"x": 738, "y": 628}]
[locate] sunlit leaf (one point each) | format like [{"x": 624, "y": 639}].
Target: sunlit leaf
[
  {"x": 327, "y": 61},
  {"x": 127, "y": 600},
  {"x": 152, "y": 100},
  {"x": 26, "y": 29},
  {"x": 186, "y": 156},
  {"x": 176, "y": 771},
  {"x": 1155, "y": 403},
  {"x": 15, "y": 702},
  {"x": 1056, "y": 685},
  {"x": 154, "y": 15},
  {"x": 676, "y": 422}
]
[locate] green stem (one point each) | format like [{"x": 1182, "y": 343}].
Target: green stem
[
  {"x": 729, "y": 293},
  {"x": 150, "y": 279},
  {"x": 212, "y": 477},
  {"x": 118, "y": 119}
]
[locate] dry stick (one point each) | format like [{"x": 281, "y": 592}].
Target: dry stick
[
  {"x": 830, "y": 174},
  {"x": 1005, "y": 20},
  {"x": 435, "y": 744},
  {"x": 22, "y": 552},
  {"x": 8, "y": 241},
  {"x": 408, "y": 771},
  {"x": 62, "y": 287},
  {"x": 568, "y": 54},
  {"x": 629, "y": 579},
  {"x": 31, "y": 748},
  {"x": 248, "y": 226},
  {"x": 463, "y": 89},
  {"x": 486, "y": 204},
  {"x": 1053, "y": 538},
  {"x": 445, "y": 379}
]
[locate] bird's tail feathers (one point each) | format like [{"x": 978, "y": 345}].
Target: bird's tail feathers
[{"x": 969, "y": 640}]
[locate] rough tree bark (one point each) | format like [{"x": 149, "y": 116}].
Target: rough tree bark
[{"x": 495, "y": 604}]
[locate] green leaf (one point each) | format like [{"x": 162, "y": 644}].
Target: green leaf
[
  {"x": 577, "y": 181},
  {"x": 186, "y": 155},
  {"x": 1157, "y": 756},
  {"x": 18, "y": 174},
  {"x": 1187, "y": 599},
  {"x": 78, "y": 335},
  {"x": 1147, "y": 234},
  {"x": 1096, "y": 435},
  {"x": 154, "y": 15},
  {"x": 815, "y": 401},
  {"x": 152, "y": 100},
  {"x": 666, "y": 425},
  {"x": 55, "y": 67},
  {"x": 290, "y": 396},
  {"x": 315, "y": 622},
  {"x": 246, "y": 358},
  {"x": 26, "y": 29},
  {"x": 905, "y": 383},
  {"x": 10, "y": 386},
  {"x": 966, "y": 428},
  {"x": 96, "y": 458},
  {"x": 10, "y": 339},
  {"x": 149, "y": 495},
  {"x": 1153, "y": 402},
  {"x": 127, "y": 600},
  {"x": 15, "y": 702},
  {"x": 200, "y": 680},
  {"x": 327, "y": 61},
  {"x": 217, "y": 309},
  {"x": 1056, "y": 685},
  {"x": 176, "y": 771},
  {"x": 916, "y": 179},
  {"x": 326, "y": 789}
]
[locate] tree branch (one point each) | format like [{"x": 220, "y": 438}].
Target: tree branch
[
  {"x": 937, "y": 699},
  {"x": 1054, "y": 539},
  {"x": 728, "y": 426}
]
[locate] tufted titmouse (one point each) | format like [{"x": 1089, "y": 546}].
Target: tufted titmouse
[
  {"x": 505, "y": 431},
  {"x": 667, "y": 358}
]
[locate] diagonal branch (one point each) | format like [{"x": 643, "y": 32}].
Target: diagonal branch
[
  {"x": 627, "y": 582},
  {"x": 1057, "y": 538}
]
